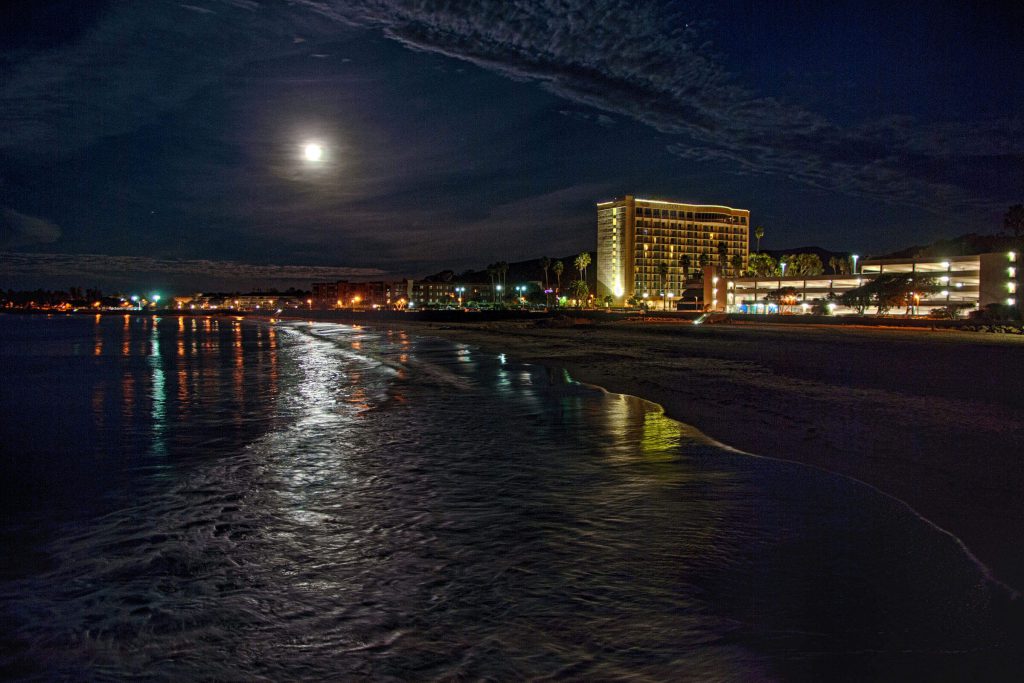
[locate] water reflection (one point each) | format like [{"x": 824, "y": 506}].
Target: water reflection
[{"x": 337, "y": 503}]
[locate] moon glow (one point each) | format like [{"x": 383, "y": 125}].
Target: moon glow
[{"x": 313, "y": 152}]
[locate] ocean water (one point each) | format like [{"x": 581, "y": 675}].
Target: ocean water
[{"x": 217, "y": 498}]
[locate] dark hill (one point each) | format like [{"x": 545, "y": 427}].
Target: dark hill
[{"x": 964, "y": 245}]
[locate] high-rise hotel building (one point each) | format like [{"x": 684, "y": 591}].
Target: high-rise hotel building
[{"x": 635, "y": 235}]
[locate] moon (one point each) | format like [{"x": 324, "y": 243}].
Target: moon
[{"x": 313, "y": 152}]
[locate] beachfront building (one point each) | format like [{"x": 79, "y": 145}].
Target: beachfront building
[
  {"x": 635, "y": 236},
  {"x": 424, "y": 294},
  {"x": 358, "y": 295},
  {"x": 963, "y": 282}
]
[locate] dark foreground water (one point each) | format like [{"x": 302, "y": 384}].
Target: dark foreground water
[{"x": 195, "y": 498}]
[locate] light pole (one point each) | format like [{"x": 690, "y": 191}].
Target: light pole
[
  {"x": 854, "y": 257},
  {"x": 136, "y": 301},
  {"x": 460, "y": 290}
]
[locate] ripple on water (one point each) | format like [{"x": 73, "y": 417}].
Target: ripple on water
[{"x": 335, "y": 502}]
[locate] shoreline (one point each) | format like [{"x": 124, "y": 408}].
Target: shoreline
[{"x": 763, "y": 391}]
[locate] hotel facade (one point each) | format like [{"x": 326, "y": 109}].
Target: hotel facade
[{"x": 636, "y": 235}]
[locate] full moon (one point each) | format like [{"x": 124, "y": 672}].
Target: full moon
[{"x": 313, "y": 152}]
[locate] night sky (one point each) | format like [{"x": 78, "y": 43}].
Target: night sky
[{"x": 160, "y": 143}]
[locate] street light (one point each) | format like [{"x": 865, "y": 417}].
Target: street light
[
  {"x": 854, "y": 257},
  {"x": 783, "y": 265}
]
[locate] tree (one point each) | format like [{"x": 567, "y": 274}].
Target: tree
[
  {"x": 545, "y": 263},
  {"x": 704, "y": 259},
  {"x": 889, "y": 290},
  {"x": 762, "y": 265},
  {"x": 582, "y": 261},
  {"x": 579, "y": 290},
  {"x": 723, "y": 256},
  {"x": 663, "y": 273},
  {"x": 1013, "y": 221},
  {"x": 804, "y": 264},
  {"x": 492, "y": 272},
  {"x": 503, "y": 272},
  {"x": 558, "y": 268},
  {"x": 684, "y": 263},
  {"x": 759, "y": 233},
  {"x": 608, "y": 300},
  {"x": 782, "y": 296},
  {"x": 737, "y": 264}
]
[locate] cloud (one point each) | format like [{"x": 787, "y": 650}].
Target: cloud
[
  {"x": 192, "y": 273},
  {"x": 19, "y": 230},
  {"x": 600, "y": 119},
  {"x": 656, "y": 64},
  {"x": 653, "y": 62},
  {"x": 132, "y": 66}
]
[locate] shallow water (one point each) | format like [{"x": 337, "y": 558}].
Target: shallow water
[{"x": 217, "y": 498}]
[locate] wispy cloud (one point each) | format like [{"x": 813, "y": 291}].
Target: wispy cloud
[
  {"x": 19, "y": 230},
  {"x": 655, "y": 63}
]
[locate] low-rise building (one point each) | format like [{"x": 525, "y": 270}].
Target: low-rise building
[{"x": 963, "y": 282}]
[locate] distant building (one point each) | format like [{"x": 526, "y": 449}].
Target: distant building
[
  {"x": 963, "y": 282},
  {"x": 360, "y": 295},
  {"x": 635, "y": 235},
  {"x": 427, "y": 294}
]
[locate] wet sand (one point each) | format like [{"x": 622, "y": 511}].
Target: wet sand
[{"x": 934, "y": 418}]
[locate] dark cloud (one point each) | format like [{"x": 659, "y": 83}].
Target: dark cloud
[
  {"x": 19, "y": 230},
  {"x": 655, "y": 63},
  {"x": 101, "y": 268}
]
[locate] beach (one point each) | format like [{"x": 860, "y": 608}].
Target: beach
[{"x": 930, "y": 417}]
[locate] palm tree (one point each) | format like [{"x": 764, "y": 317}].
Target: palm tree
[
  {"x": 684, "y": 263},
  {"x": 737, "y": 264},
  {"x": 704, "y": 259},
  {"x": 492, "y": 272},
  {"x": 723, "y": 256},
  {"x": 545, "y": 263},
  {"x": 663, "y": 272},
  {"x": 558, "y": 268},
  {"x": 582, "y": 261},
  {"x": 759, "y": 233},
  {"x": 503, "y": 272}
]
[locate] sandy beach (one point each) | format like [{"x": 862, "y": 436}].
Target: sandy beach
[{"x": 931, "y": 417}]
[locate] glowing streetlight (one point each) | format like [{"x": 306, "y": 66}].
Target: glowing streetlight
[{"x": 854, "y": 257}]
